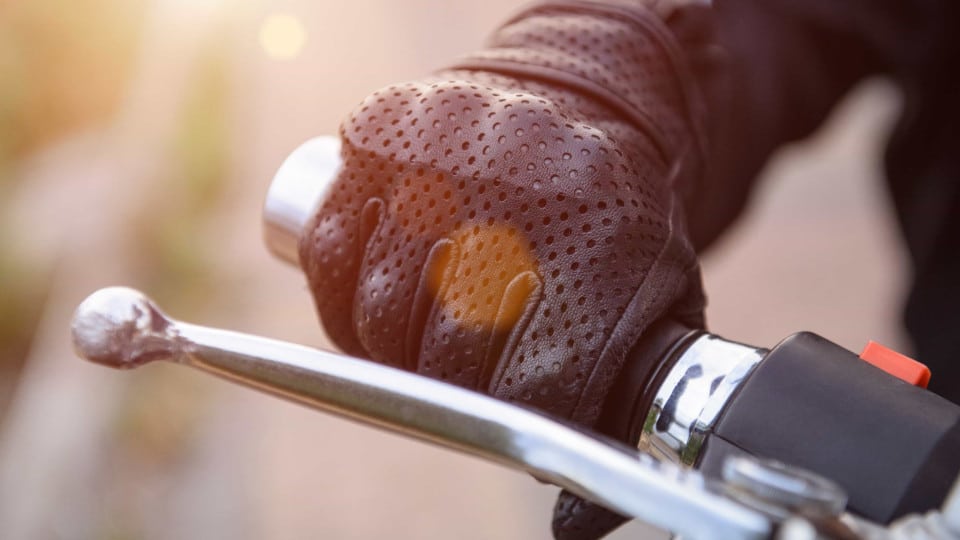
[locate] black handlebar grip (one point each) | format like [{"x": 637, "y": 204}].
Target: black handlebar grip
[{"x": 894, "y": 447}]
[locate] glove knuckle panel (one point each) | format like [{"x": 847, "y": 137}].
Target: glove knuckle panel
[{"x": 526, "y": 186}]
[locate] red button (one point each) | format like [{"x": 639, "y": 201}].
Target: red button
[{"x": 900, "y": 366}]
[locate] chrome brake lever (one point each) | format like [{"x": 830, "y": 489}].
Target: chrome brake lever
[{"x": 122, "y": 328}]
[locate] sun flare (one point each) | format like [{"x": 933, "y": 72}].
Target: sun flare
[{"x": 282, "y": 36}]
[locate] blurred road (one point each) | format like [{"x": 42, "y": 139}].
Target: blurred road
[{"x": 818, "y": 251}]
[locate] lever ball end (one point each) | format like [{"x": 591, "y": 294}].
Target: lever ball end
[{"x": 121, "y": 328}]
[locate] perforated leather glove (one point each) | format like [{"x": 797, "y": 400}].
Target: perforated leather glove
[{"x": 513, "y": 224}]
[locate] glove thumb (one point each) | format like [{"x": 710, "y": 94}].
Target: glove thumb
[{"x": 577, "y": 519}]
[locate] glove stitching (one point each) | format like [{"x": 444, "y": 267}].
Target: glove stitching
[
  {"x": 517, "y": 68},
  {"x": 520, "y": 327},
  {"x": 368, "y": 246},
  {"x": 424, "y": 297},
  {"x": 449, "y": 274}
]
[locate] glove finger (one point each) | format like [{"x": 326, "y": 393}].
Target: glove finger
[
  {"x": 486, "y": 290},
  {"x": 398, "y": 275},
  {"x": 332, "y": 248},
  {"x": 577, "y": 519}
]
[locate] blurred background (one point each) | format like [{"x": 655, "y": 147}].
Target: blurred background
[{"x": 137, "y": 140}]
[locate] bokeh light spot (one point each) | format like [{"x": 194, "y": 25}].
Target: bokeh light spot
[{"x": 282, "y": 36}]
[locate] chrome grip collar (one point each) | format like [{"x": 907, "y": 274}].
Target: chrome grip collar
[
  {"x": 297, "y": 190},
  {"x": 695, "y": 391}
]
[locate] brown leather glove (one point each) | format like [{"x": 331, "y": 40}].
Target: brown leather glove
[{"x": 513, "y": 224}]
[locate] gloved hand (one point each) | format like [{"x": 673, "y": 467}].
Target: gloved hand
[{"x": 513, "y": 224}]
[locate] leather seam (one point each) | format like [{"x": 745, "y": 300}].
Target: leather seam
[
  {"x": 558, "y": 76},
  {"x": 654, "y": 27}
]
